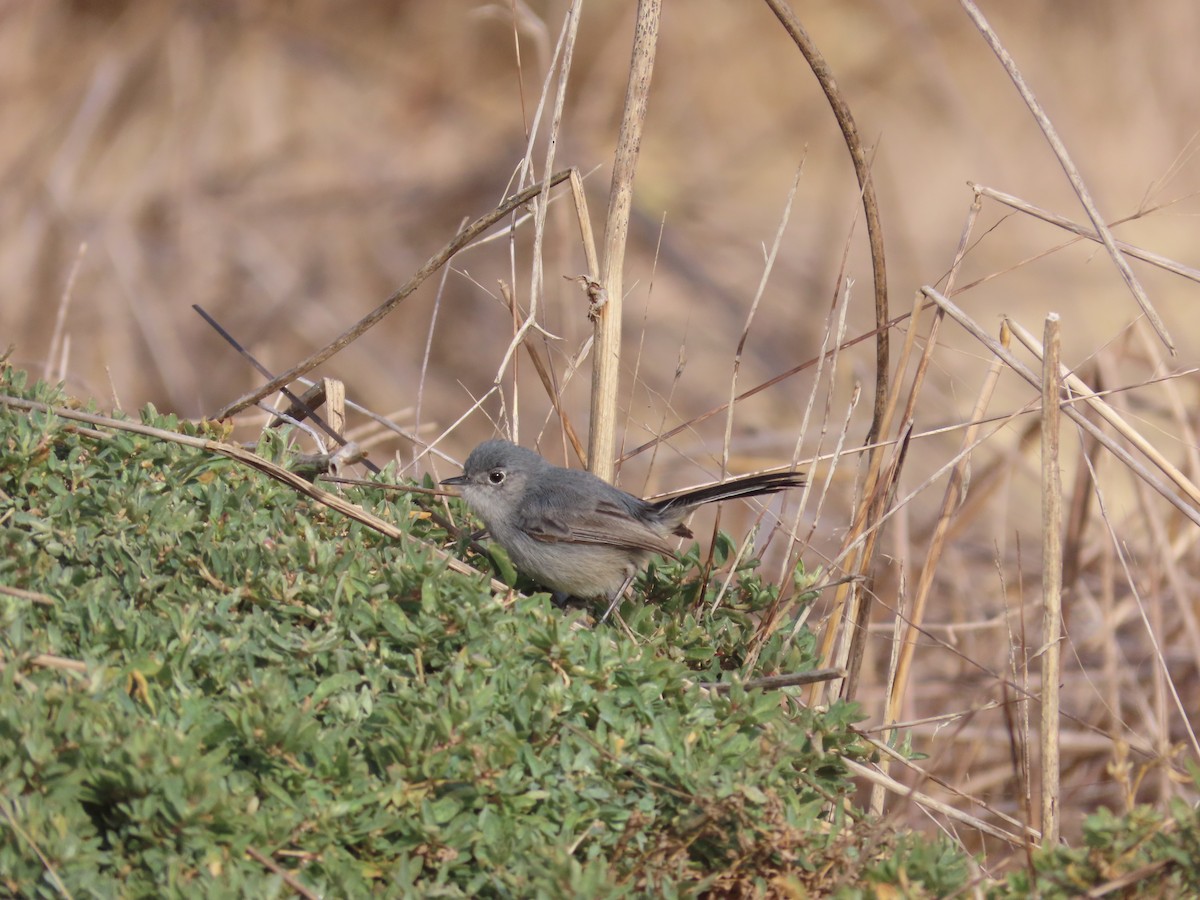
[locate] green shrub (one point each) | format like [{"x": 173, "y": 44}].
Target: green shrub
[
  {"x": 1153, "y": 856},
  {"x": 271, "y": 690},
  {"x": 265, "y": 677}
]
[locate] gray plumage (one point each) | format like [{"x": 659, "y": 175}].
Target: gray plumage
[{"x": 575, "y": 533}]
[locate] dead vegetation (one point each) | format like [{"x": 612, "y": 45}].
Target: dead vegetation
[{"x": 287, "y": 166}]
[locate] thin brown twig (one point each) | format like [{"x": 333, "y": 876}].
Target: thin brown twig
[
  {"x": 1068, "y": 166},
  {"x": 240, "y": 454},
  {"x": 288, "y": 878},
  {"x": 435, "y": 262},
  {"x": 862, "y": 170}
]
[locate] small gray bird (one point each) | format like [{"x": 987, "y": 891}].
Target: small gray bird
[{"x": 575, "y": 533}]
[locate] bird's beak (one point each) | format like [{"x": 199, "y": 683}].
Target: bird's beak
[{"x": 456, "y": 480}]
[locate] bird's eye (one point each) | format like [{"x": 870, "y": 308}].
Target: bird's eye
[{"x": 496, "y": 476}]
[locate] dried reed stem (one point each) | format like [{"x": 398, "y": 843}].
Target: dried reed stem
[
  {"x": 862, "y": 170},
  {"x": 1155, "y": 259},
  {"x": 1083, "y": 392},
  {"x": 973, "y": 328},
  {"x": 1068, "y": 166},
  {"x": 1051, "y": 577},
  {"x": 606, "y": 366},
  {"x": 435, "y": 262}
]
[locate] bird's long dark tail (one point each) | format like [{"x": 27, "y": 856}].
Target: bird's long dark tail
[{"x": 750, "y": 486}]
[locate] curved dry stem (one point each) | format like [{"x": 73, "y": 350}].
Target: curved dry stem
[{"x": 862, "y": 170}]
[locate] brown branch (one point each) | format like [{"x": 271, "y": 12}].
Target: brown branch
[
  {"x": 1071, "y": 171},
  {"x": 774, "y": 682},
  {"x": 439, "y": 259},
  {"x": 246, "y": 457},
  {"x": 862, "y": 170},
  {"x": 288, "y": 878}
]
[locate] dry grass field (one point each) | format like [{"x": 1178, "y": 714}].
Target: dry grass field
[{"x": 286, "y": 166}]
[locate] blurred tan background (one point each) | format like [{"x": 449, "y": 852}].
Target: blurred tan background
[{"x": 287, "y": 165}]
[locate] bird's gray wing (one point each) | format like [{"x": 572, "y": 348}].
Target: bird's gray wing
[{"x": 586, "y": 520}]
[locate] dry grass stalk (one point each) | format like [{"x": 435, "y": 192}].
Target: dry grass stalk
[
  {"x": 1082, "y": 392},
  {"x": 831, "y": 343},
  {"x": 606, "y": 367},
  {"x": 60, "y": 342},
  {"x": 14, "y": 822},
  {"x": 246, "y": 457},
  {"x": 1161, "y": 682},
  {"x": 841, "y": 642},
  {"x": 335, "y": 404},
  {"x": 22, "y": 594},
  {"x": 1021, "y": 369},
  {"x": 1153, "y": 625},
  {"x": 873, "y": 776},
  {"x": 1068, "y": 165},
  {"x": 925, "y": 776},
  {"x": 902, "y": 661},
  {"x": 862, "y": 170},
  {"x": 1155, "y": 259},
  {"x": 951, "y": 502},
  {"x": 564, "y": 51},
  {"x": 741, "y": 345},
  {"x": 439, "y": 259},
  {"x": 332, "y": 393},
  {"x": 857, "y": 557},
  {"x": 547, "y": 378},
  {"x": 1051, "y": 578}
]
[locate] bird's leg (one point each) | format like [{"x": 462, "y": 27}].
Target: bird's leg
[{"x": 617, "y": 596}]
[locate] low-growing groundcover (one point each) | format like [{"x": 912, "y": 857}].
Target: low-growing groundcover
[
  {"x": 253, "y": 694},
  {"x": 264, "y": 679}
]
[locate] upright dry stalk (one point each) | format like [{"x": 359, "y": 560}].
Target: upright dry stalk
[
  {"x": 956, "y": 486},
  {"x": 862, "y": 169},
  {"x": 606, "y": 367},
  {"x": 1051, "y": 577},
  {"x": 1082, "y": 393},
  {"x": 1072, "y": 173},
  {"x": 1192, "y": 512}
]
